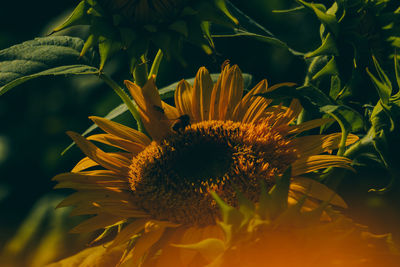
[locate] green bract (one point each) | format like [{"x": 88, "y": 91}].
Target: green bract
[
  {"x": 385, "y": 121},
  {"x": 351, "y": 31},
  {"x": 133, "y": 25}
]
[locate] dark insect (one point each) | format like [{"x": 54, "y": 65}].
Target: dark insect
[{"x": 181, "y": 123}]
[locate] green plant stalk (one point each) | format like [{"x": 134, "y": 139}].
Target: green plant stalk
[
  {"x": 140, "y": 73},
  {"x": 310, "y": 67},
  {"x": 156, "y": 64},
  {"x": 125, "y": 98},
  {"x": 345, "y": 133}
]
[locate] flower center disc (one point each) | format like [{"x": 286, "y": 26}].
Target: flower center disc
[{"x": 171, "y": 179}]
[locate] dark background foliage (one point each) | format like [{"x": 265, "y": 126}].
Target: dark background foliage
[{"x": 35, "y": 116}]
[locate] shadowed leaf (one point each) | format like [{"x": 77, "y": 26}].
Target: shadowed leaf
[{"x": 46, "y": 56}]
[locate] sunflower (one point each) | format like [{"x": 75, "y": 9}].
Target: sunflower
[{"x": 156, "y": 190}]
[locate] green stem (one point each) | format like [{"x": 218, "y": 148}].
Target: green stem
[
  {"x": 140, "y": 73},
  {"x": 156, "y": 64},
  {"x": 364, "y": 145},
  {"x": 345, "y": 133},
  {"x": 334, "y": 176},
  {"x": 125, "y": 98}
]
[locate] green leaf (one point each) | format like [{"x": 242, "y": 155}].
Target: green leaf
[
  {"x": 386, "y": 113},
  {"x": 47, "y": 56},
  {"x": 397, "y": 73},
  {"x": 314, "y": 216},
  {"x": 107, "y": 47},
  {"x": 382, "y": 117},
  {"x": 335, "y": 87},
  {"x": 383, "y": 85},
  {"x": 263, "y": 38},
  {"x": 246, "y": 207},
  {"x": 291, "y": 215},
  {"x": 209, "y": 248},
  {"x": 329, "y": 69},
  {"x": 230, "y": 215},
  {"x": 328, "y": 47},
  {"x": 279, "y": 193},
  {"x": 291, "y": 10},
  {"x": 180, "y": 26},
  {"x": 351, "y": 119},
  {"x": 221, "y": 4},
  {"x": 310, "y": 97},
  {"x": 325, "y": 18},
  {"x": 78, "y": 17},
  {"x": 381, "y": 144},
  {"x": 264, "y": 207}
]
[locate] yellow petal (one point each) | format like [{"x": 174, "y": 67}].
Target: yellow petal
[
  {"x": 143, "y": 245},
  {"x": 90, "y": 181},
  {"x": 115, "y": 141},
  {"x": 94, "y": 196},
  {"x": 155, "y": 113},
  {"x": 250, "y": 104},
  {"x": 215, "y": 98},
  {"x": 201, "y": 96},
  {"x": 313, "y": 189},
  {"x": 231, "y": 91},
  {"x": 183, "y": 98},
  {"x": 313, "y": 163},
  {"x": 120, "y": 130},
  {"x": 128, "y": 232},
  {"x": 292, "y": 112},
  {"x": 316, "y": 144},
  {"x": 136, "y": 93},
  {"x": 97, "y": 222},
  {"x": 295, "y": 129},
  {"x": 171, "y": 255},
  {"x": 97, "y": 154},
  {"x": 170, "y": 112},
  {"x": 212, "y": 231},
  {"x": 190, "y": 236},
  {"x": 120, "y": 208},
  {"x": 276, "y": 86},
  {"x": 101, "y": 173},
  {"x": 96, "y": 256},
  {"x": 85, "y": 208},
  {"x": 257, "y": 110},
  {"x": 84, "y": 164}
]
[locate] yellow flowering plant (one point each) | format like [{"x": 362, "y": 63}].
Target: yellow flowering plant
[{"x": 216, "y": 170}]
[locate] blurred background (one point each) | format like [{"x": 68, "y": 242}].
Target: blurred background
[{"x": 35, "y": 116}]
